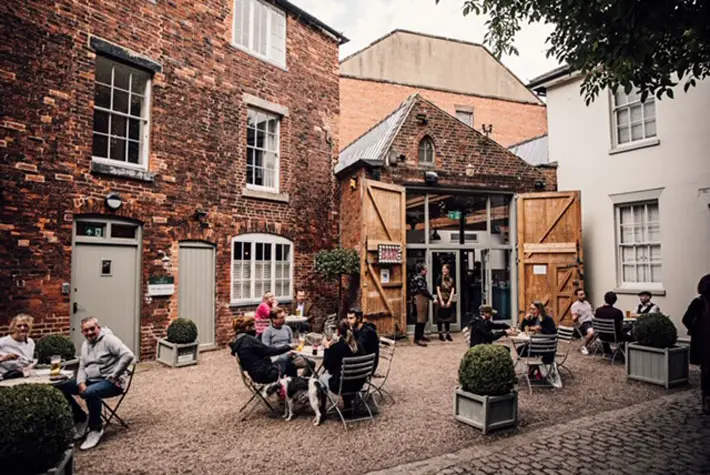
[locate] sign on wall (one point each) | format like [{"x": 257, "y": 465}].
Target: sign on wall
[
  {"x": 389, "y": 253},
  {"x": 161, "y": 286}
]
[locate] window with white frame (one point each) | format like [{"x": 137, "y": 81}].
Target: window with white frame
[
  {"x": 121, "y": 113},
  {"x": 465, "y": 116},
  {"x": 633, "y": 120},
  {"x": 263, "y": 139},
  {"x": 426, "y": 151},
  {"x": 261, "y": 29},
  {"x": 638, "y": 238},
  {"x": 261, "y": 263}
]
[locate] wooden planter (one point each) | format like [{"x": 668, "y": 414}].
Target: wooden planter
[
  {"x": 486, "y": 413},
  {"x": 176, "y": 355},
  {"x": 65, "y": 466},
  {"x": 663, "y": 366}
]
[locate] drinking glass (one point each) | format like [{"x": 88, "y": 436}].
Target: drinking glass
[{"x": 55, "y": 367}]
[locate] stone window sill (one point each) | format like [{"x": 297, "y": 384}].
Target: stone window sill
[
  {"x": 652, "y": 142},
  {"x": 655, "y": 292},
  {"x": 122, "y": 172},
  {"x": 265, "y": 195}
]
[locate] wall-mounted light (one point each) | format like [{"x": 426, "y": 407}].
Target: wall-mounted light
[
  {"x": 539, "y": 185},
  {"x": 422, "y": 119},
  {"x": 431, "y": 178},
  {"x": 353, "y": 182},
  {"x": 113, "y": 201},
  {"x": 200, "y": 215}
]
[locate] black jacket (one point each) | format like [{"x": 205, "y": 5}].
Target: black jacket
[
  {"x": 369, "y": 341},
  {"x": 256, "y": 358},
  {"x": 696, "y": 320},
  {"x": 482, "y": 331},
  {"x": 333, "y": 362}
]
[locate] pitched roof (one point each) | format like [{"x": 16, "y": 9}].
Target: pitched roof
[
  {"x": 535, "y": 151},
  {"x": 374, "y": 144}
]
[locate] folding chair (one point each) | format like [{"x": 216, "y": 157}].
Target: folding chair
[
  {"x": 387, "y": 347},
  {"x": 255, "y": 389},
  {"x": 354, "y": 369},
  {"x": 330, "y": 322},
  {"x": 564, "y": 334},
  {"x": 539, "y": 346},
  {"x": 605, "y": 330},
  {"x": 109, "y": 413}
]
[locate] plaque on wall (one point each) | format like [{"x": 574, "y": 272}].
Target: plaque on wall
[{"x": 389, "y": 253}]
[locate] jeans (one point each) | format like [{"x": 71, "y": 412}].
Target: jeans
[
  {"x": 95, "y": 391},
  {"x": 286, "y": 367},
  {"x": 446, "y": 327}
]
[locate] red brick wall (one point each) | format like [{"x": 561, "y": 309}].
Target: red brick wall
[
  {"x": 364, "y": 103},
  {"x": 197, "y": 147}
]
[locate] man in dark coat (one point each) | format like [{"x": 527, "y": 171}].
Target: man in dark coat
[
  {"x": 697, "y": 321},
  {"x": 365, "y": 334},
  {"x": 484, "y": 330}
]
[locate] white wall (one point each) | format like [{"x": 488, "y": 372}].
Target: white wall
[{"x": 580, "y": 141}]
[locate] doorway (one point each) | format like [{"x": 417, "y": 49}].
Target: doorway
[
  {"x": 196, "y": 288},
  {"x": 439, "y": 259},
  {"x": 106, "y": 278}
]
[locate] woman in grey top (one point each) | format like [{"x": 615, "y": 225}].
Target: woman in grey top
[{"x": 17, "y": 349}]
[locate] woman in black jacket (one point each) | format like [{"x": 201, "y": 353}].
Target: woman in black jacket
[
  {"x": 255, "y": 357},
  {"x": 346, "y": 347},
  {"x": 697, "y": 321}
]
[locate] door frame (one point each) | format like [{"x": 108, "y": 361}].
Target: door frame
[
  {"x": 108, "y": 241},
  {"x": 197, "y": 244}
]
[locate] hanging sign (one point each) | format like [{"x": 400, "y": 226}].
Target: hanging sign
[
  {"x": 389, "y": 253},
  {"x": 455, "y": 215}
]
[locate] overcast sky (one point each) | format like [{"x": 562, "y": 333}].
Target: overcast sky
[{"x": 364, "y": 21}]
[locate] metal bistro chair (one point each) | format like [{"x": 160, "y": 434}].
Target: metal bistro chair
[
  {"x": 605, "y": 331},
  {"x": 387, "y": 347},
  {"x": 356, "y": 368},
  {"x": 108, "y": 412},
  {"x": 255, "y": 389},
  {"x": 565, "y": 334},
  {"x": 539, "y": 346},
  {"x": 330, "y": 322}
]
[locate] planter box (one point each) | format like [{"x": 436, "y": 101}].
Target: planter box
[
  {"x": 177, "y": 355},
  {"x": 663, "y": 366},
  {"x": 65, "y": 466},
  {"x": 486, "y": 412}
]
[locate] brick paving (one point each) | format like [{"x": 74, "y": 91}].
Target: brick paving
[{"x": 666, "y": 436}]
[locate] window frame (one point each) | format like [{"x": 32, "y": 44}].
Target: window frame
[
  {"x": 469, "y": 114},
  {"x": 249, "y": 49},
  {"x": 144, "y": 148},
  {"x": 647, "y": 244},
  {"x": 277, "y": 166},
  {"x": 253, "y": 239},
  {"x": 426, "y": 140},
  {"x": 615, "y": 109}
]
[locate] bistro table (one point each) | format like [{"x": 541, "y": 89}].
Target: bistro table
[
  {"x": 295, "y": 321},
  {"x": 523, "y": 338},
  {"x": 307, "y": 352},
  {"x": 37, "y": 376}
]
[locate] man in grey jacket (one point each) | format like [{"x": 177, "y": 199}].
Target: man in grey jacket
[{"x": 104, "y": 360}]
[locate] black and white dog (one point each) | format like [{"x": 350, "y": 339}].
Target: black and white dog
[{"x": 292, "y": 389}]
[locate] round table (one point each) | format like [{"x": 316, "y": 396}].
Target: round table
[
  {"x": 38, "y": 376},
  {"x": 295, "y": 319}
]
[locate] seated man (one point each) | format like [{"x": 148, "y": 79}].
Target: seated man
[
  {"x": 582, "y": 316},
  {"x": 278, "y": 334},
  {"x": 482, "y": 327},
  {"x": 609, "y": 312},
  {"x": 302, "y": 308},
  {"x": 255, "y": 356},
  {"x": 365, "y": 334},
  {"x": 102, "y": 366}
]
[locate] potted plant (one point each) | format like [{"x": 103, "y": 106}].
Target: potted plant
[
  {"x": 56, "y": 344},
  {"x": 486, "y": 398},
  {"x": 36, "y": 435},
  {"x": 333, "y": 264},
  {"x": 655, "y": 357},
  {"x": 181, "y": 347}
]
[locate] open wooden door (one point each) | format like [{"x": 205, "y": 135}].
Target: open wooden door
[
  {"x": 383, "y": 263},
  {"x": 550, "y": 265}
]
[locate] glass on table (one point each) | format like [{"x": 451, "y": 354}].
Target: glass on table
[{"x": 55, "y": 365}]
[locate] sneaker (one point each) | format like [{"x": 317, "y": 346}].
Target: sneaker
[
  {"x": 80, "y": 430},
  {"x": 441, "y": 336},
  {"x": 448, "y": 337},
  {"x": 92, "y": 439},
  {"x": 584, "y": 350}
]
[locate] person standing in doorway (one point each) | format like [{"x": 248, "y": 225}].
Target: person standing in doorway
[
  {"x": 445, "y": 290},
  {"x": 422, "y": 297},
  {"x": 582, "y": 316},
  {"x": 645, "y": 305},
  {"x": 697, "y": 321}
]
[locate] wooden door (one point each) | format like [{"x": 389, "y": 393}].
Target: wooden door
[
  {"x": 550, "y": 265},
  {"x": 196, "y": 288},
  {"x": 383, "y": 285}
]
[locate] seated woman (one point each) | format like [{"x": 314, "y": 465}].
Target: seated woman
[
  {"x": 544, "y": 325},
  {"x": 346, "y": 346},
  {"x": 530, "y": 320},
  {"x": 17, "y": 349},
  {"x": 262, "y": 316},
  {"x": 255, "y": 357}
]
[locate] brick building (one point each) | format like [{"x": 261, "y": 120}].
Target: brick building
[
  {"x": 462, "y": 78},
  {"x": 458, "y": 209},
  {"x": 161, "y": 160}
]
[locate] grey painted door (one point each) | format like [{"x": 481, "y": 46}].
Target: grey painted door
[
  {"x": 196, "y": 288},
  {"x": 104, "y": 281}
]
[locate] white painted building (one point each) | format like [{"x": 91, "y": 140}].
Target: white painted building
[{"x": 644, "y": 175}]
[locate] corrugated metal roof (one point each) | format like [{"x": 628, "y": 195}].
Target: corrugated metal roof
[
  {"x": 374, "y": 143},
  {"x": 534, "y": 151}
]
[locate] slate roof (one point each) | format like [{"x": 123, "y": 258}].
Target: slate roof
[{"x": 534, "y": 151}]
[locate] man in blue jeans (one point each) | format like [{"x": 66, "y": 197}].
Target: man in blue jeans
[{"x": 102, "y": 366}]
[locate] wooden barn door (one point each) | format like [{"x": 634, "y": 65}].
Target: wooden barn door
[
  {"x": 550, "y": 265},
  {"x": 383, "y": 285}
]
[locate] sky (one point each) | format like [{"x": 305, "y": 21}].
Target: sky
[{"x": 364, "y": 21}]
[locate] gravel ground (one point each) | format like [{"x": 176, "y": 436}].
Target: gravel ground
[{"x": 185, "y": 420}]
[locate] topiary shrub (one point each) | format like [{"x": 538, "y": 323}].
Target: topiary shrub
[
  {"x": 181, "y": 331},
  {"x": 36, "y": 428},
  {"x": 656, "y": 330},
  {"x": 50, "y": 345},
  {"x": 487, "y": 370}
]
